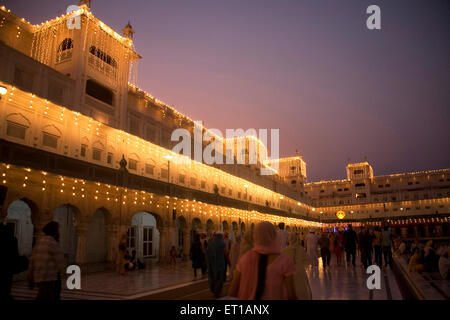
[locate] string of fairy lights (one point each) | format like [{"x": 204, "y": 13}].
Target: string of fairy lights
[
  {"x": 138, "y": 148},
  {"x": 42, "y": 181},
  {"x": 399, "y": 222}
]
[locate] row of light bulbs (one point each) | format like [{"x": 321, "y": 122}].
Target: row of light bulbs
[{"x": 70, "y": 185}]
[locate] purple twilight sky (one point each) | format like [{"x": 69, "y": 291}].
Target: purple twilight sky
[{"x": 311, "y": 68}]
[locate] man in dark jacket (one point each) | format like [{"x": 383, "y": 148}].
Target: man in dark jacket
[
  {"x": 10, "y": 255},
  {"x": 350, "y": 241},
  {"x": 216, "y": 257},
  {"x": 365, "y": 247}
]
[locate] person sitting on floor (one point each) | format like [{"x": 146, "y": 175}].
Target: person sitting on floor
[
  {"x": 416, "y": 261},
  {"x": 136, "y": 263},
  {"x": 444, "y": 264}
]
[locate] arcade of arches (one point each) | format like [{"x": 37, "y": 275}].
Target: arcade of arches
[{"x": 93, "y": 217}]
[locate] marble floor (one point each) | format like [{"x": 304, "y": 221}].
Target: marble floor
[
  {"x": 331, "y": 283},
  {"x": 110, "y": 285},
  {"x": 349, "y": 283}
]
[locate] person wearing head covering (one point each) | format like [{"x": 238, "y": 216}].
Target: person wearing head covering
[
  {"x": 197, "y": 256},
  {"x": 47, "y": 264},
  {"x": 246, "y": 243},
  {"x": 301, "y": 261},
  {"x": 263, "y": 273},
  {"x": 311, "y": 242},
  {"x": 216, "y": 259},
  {"x": 283, "y": 234},
  {"x": 234, "y": 253}
]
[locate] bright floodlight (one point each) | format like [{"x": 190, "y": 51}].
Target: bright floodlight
[
  {"x": 245, "y": 185},
  {"x": 168, "y": 157},
  {"x": 3, "y": 90}
]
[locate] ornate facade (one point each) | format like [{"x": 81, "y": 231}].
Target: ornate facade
[{"x": 82, "y": 145}]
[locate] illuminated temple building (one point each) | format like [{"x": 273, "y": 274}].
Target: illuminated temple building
[{"x": 83, "y": 145}]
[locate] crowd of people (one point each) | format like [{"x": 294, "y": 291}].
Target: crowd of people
[
  {"x": 428, "y": 257},
  {"x": 261, "y": 263}
]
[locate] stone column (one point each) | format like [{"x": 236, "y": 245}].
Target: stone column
[
  {"x": 112, "y": 242},
  {"x": 81, "y": 231},
  {"x": 416, "y": 231},
  {"x": 404, "y": 232}
]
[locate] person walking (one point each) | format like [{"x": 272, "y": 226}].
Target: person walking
[
  {"x": 301, "y": 261},
  {"x": 311, "y": 246},
  {"x": 324, "y": 244},
  {"x": 197, "y": 256},
  {"x": 283, "y": 234},
  {"x": 386, "y": 243},
  {"x": 47, "y": 264},
  {"x": 263, "y": 273},
  {"x": 337, "y": 248},
  {"x": 377, "y": 246},
  {"x": 216, "y": 259},
  {"x": 350, "y": 241},
  {"x": 234, "y": 254}
]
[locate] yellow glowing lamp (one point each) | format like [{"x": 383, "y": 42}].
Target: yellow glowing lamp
[
  {"x": 340, "y": 214},
  {"x": 3, "y": 90}
]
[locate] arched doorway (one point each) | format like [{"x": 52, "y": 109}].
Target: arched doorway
[
  {"x": 97, "y": 240},
  {"x": 182, "y": 240},
  {"x": 143, "y": 235},
  {"x": 252, "y": 226},
  {"x": 242, "y": 227},
  {"x": 209, "y": 228},
  {"x": 66, "y": 215},
  {"x": 19, "y": 220}
]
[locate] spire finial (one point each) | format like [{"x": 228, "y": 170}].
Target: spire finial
[
  {"x": 86, "y": 2},
  {"x": 128, "y": 31}
]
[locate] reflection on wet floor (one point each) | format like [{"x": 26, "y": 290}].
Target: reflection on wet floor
[
  {"x": 110, "y": 285},
  {"x": 349, "y": 283}
]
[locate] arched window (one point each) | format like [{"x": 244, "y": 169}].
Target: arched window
[
  {"x": 64, "y": 50},
  {"x": 66, "y": 44},
  {"x": 103, "y": 56}
]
